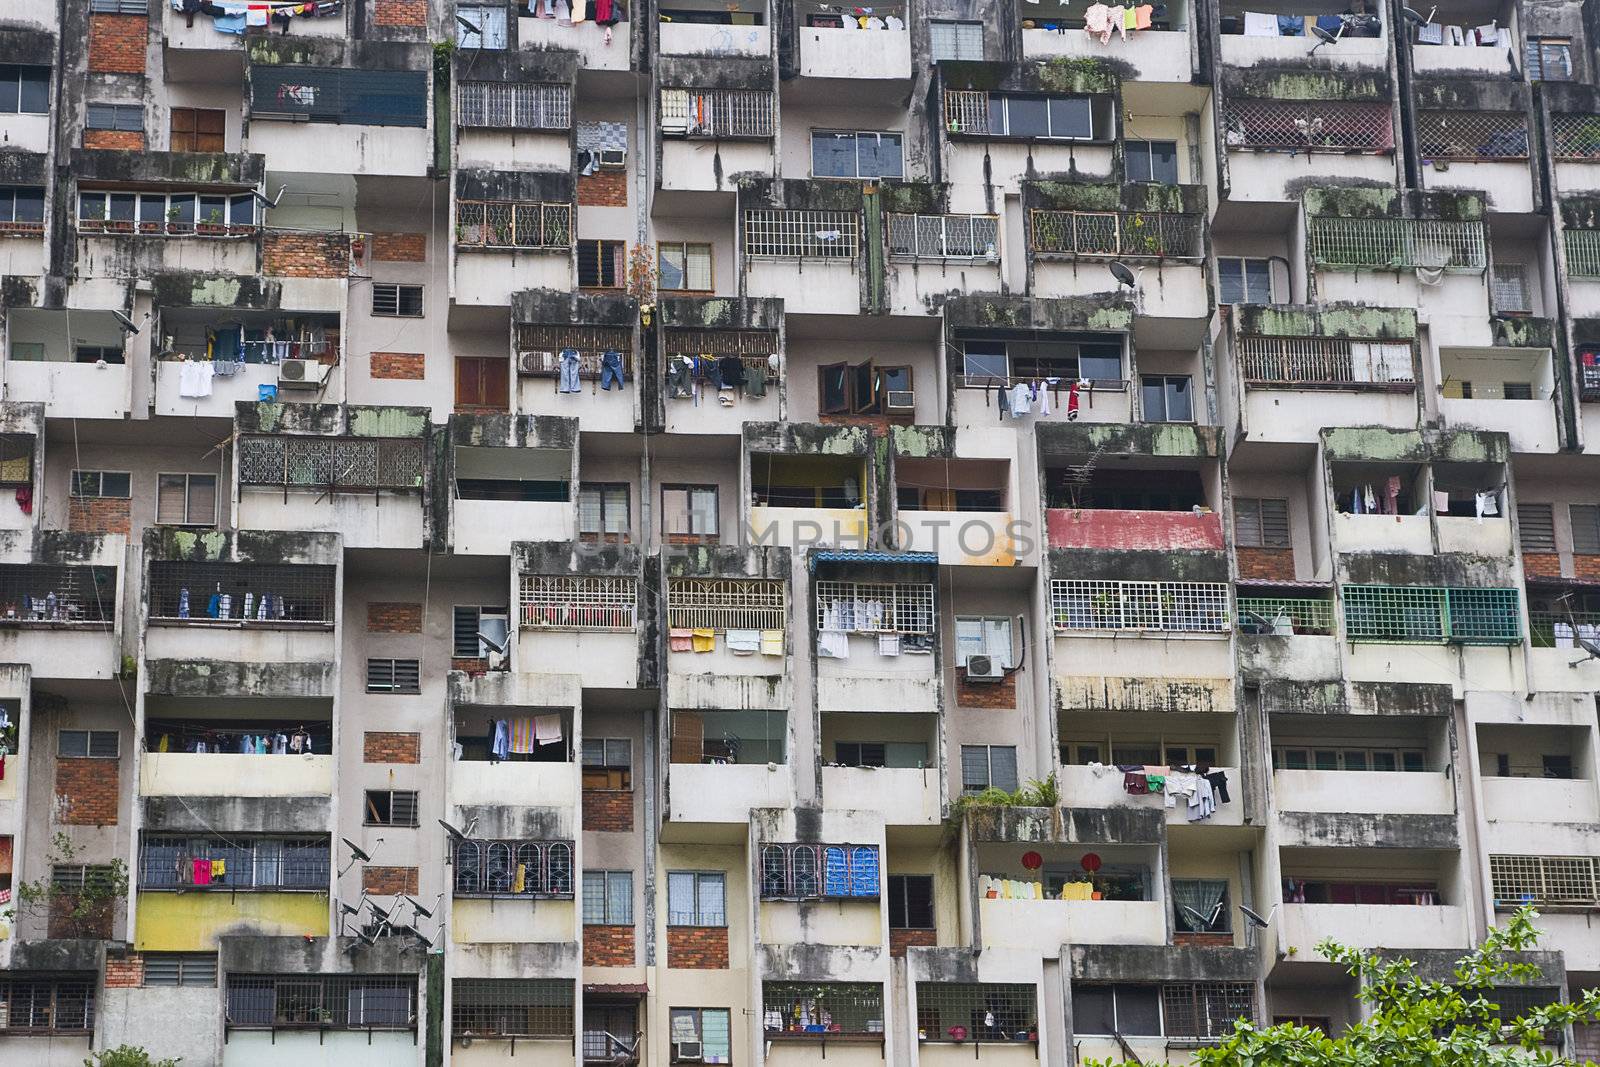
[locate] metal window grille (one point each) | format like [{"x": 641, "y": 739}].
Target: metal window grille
[
  {"x": 390, "y": 807},
  {"x": 51, "y": 595},
  {"x": 802, "y": 234},
  {"x": 819, "y": 872},
  {"x": 822, "y": 1007},
  {"x": 1472, "y": 135},
  {"x": 1173, "y": 607},
  {"x": 40, "y": 1003},
  {"x": 394, "y": 676},
  {"x": 562, "y": 602},
  {"x": 507, "y": 224},
  {"x": 1543, "y": 880},
  {"x": 1131, "y": 234},
  {"x": 1583, "y": 252},
  {"x": 529, "y": 869},
  {"x": 1324, "y": 361},
  {"x": 77, "y": 877},
  {"x": 966, "y": 111},
  {"x": 262, "y": 594},
  {"x": 1309, "y": 125},
  {"x": 1575, "y": 136},
  {"x": 271, "y": 863},
  {"x": 331, "y": 463},
  {"x": 1308, "y": 616},
  {"x": 515, "y": 105},
  {"x": 716, "y": 112},
  {"x": 119, "y": 7},
  {"x": 944, "y": 236},
  {"x": 1561, "y": 629},
  {"x": 1205, "y": 1010},
  {"x": 1410, "y": 614},
  {"x": 976, "y": 1011},
  {"x": 749, "y": 343},
  {"x": 512, "y": 1007},
  {"x": 393, "y": 299},
  {"x": 875, "y": 607},
  {"x": 325, "y": 1001},
  {"x": 1403, "y": 244},
  {"x": 727, "y": 603},
  {"x": 180, "y": 968},
  {"x": 540, "y": 348},
  {"x": 1484, "y": 616}
]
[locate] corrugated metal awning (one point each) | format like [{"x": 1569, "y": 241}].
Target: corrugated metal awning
[
  {"x": 862, "y": 556},
  {"x": 1278, "y": 583}
]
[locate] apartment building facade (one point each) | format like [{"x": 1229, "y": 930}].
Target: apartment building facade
[{"x": 744, "y": 532}]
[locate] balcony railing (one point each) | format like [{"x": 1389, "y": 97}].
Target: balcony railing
[
  {"x": 41, "y": 594},
  {"x": 527, "y": 869},
  {"x": 1397, "y": 244},
  {"x": 267, "y": 353},
  {"x": 567, "y": 602},
  {"x": 514, "y": 105},
  {"x": 1167, "y": 607},
  {"x": 241, "y": 593},
  {"x": 1472, "y": 136},
  {"x": 966, "y": 111},
  {"x": 1303, "y": 615},
  {"x": 337, "y": 463},
  {"x": 731, "y": 113},
  {"x": 944, "y": 236},
  {"x": 727, "y": 603},
  {"x": 539, "y": 349},
  {"x": 1559, "y": 881},
  {"x": 1431, "y": 615},
  {"x": 1583, "y": 252},
  {"x": 504, "y": 224},
  {"x": 1310, "y": 125},
  {"x": 875, "y": 607},
  {"x": 1549, "y": 629},
  {"x": 246, "y": 863},
  {"x": 1126, "y": 234},
  {"x": 798, "y": 1009},
  {"x": 1575, "y": 136},
  {"x": 801, "y": 234},
  {"x": 322, "y": 1002},
  {"x": 1325, "y": 361},
  {"x": 512, "y": 1007}
]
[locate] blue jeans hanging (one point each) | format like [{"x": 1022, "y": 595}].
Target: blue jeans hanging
[
  {"x": 569, "y": 372},
  {"x": 610, "y": 369}
]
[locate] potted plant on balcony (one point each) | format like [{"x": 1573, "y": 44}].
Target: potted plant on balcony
[
  {"x": 213, "y": 226},
  {"x": 175, "y": 223}
]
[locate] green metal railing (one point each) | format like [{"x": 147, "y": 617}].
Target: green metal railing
[
  {"x": 1305, "y": 614},
  {"x": 1428, "y": 614}
]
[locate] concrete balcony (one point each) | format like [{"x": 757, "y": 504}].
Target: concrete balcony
[
  {"x": 868, "y": 682},
  {"x": 237, "y": 641},
  {"x": 1273, "y": 176},
  {"x": 1364, "y": 792},
  {"x": 1081, "y": 787},
  {"x": 829, "y": 924},
  {"x": 350, "y": 149},
  {"x": 1351, "y": 53},
  {"x": 588, "y": 40},
  {"x": 22, "y": 253},
  {"x": 1111, "y": 529},
  {"x": 695, "y": 39},
  {"x": 232, "y": 250},
  {"x": 870, "y": 55},
  {"x": 489, "y": 276},
  {"x": 1531, "y": 424},
  {"x": 725, "y": 792},
  {"x": 1573, "y": 932},
  {"x": 1382, "y": 533},
  {"x": 803, "y": 527},
  {"x": 700, "y": 166},
  {"x": 1509, "y": 184},
  {"x": 1469, "y": 60},
  {"x": 199, "y": 33},
  {"x": 1299, "y": 658},
  {"x": 1032, "y": 923},
  {"x": 1584, "y": 298},
  {"x": 807, "y": 286},
  {"x": 396, "y": 522},
  {"x": 195, "y": 921},
  {"x": 1168, "y": 289},
  {"x": 1539, "y": 800},
  {"x": 1370, "y": 926},
  {"x": 962, "y": 538},
  {"x": 1278, "y": 414},
  {"x": 476, "y": 783},
  {"x": 904, "y": 796},
  {"x": 64, "y": 650},
  {"x": 71, "y": 390},
  {"x": 488, "y": 527},
  {"x": 225, "y": 774},
  {"x": 245, "y": 384},
  {"x": 912, "y": 284},
  {"x": 29, "y": 133},
  {"x": 610, "y": 660},
  {"x": 1147, "y": 56},
  {"x": 1486, "y": 537}
]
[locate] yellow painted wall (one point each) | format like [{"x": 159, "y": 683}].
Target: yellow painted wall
[
  {"x": 488, "y": 920},
  {"x": 855, "y": 922},
  {"x": 192, "y": 922}
]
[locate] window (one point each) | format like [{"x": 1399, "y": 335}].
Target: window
[
  {"x": 607, "y": 763},
  {"x": 798, "y": 1008},
  {"x": 481, "y": 27},
  {"x": 697, "y": 898},
  {"x": 198, "y": 129},
  {"x": 684, "y": 266},
  {"x": 98, "y": 354},
  {"x": 516, "y": 106},
  {"x": 1054, "y": 118},
  {"x": 22, "y": 206},
  {"x": 601, "y": 264},
  {"x": 1536, "y": 527},
  {"x": 513, "y": 869},
  {"x": 511, "y": 1007},
  {"x": 180, "y": 969},
  {"x": 956, "y": 41},
  {"x": 978, "y": 636},
  {"x": 701, "y": 1035},
  {"x": 230, "y": 864},
  {"x": 1549, "y": 59},
  {"x": 689, "y": 511},
  {"x": 1129, "y": 1010},
  {"x": 1152, "y": 161},
  {"x": 476, "y": 629},
  {"x": 483, "y": 382},
  {"x": 46, "y": 1002},
  {"x": 1243, "y": 280},
  {"x": 1205, "y": 1010},
  {"x": 127, "y": 117},
  {"x": 603, "y": 509},
  {"x": 875, "y": 607},
  {"x": 24, "y": 89},
  {"x": 1260, "y": 523},
  {"x": 101, "y": 484},
  {"x": 1511, "y": 287},
  {"x": 119, "y": 7},
  {"x": 391, "y": 807},
  {"x": 1165, "y": 398},
  {"x": 322, "y": 1001},
  {"x": 401, "y": 300},
  {"x": 988, "y": 767},
  {"x": 186, "y": 499},
  {"x": 846, "y": 154},
  {"x": 819, "y": 872},
  {"x": 989, "y": 1011},
  {"x": 716, "y": 113},
  {"x": 602, "y": 145},
  {"x": 1099, "y": 360},
  {"x": 88, "y": 744},
  {"x": 911, "y": 902},
  {"x": 608, "y": 898},
  {"x": 394, "y": 676},
  {"x": 1312, "y": 758},
  {"x": 860, "y": 388},
  {"x": 1201, "y": 906},
  {"x": 1585, "y": 528}
]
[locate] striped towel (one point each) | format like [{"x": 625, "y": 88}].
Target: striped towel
[{"x": 522, "y": 734}]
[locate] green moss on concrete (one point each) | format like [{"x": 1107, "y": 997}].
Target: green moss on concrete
[
  {"x": 1081, "y": 75},
  {"x": 914, "y": 198},
  {"x": 1374, "y": 443},
  {"x": 1336, "y": 320},
  {"x": 1517, "y": 331},
  {"x": 388, "y": 422},
  {"x": 1351, "y": 202}
]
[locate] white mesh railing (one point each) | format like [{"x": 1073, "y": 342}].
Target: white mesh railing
[
  {"x": 875, "y": 607},
  {"x": 1583, "y": 252},
  {"x": 1575, "y": 136},
  {"x": 1324, "y": 361},
  {"x": 1132, "y": 234},
  {"x": 966, "y": 111},
  {"x": 716, "y": 112},
  {"x": 568, "y": 602},
  {"x": 727, "y": 603},
  {"x": 1172, "y": 607},
  {"x": 1472, "y": 135},
  {"x": 944, "y": 236},
  {"x": 1543, "y": 880},
  {"x": 514, "y": 105},
  {"x": 503, "y": 224},
  {"x": 801, "y": 234},
  {"x": 1397, "y": 244},
  {"x": 1312, "y": 125}
]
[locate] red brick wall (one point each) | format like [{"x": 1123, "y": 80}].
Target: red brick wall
[
  {"x": 1541, "y": 564},
  {"x": 98, "y": 515},
  {"x": 388, "y": 881},
  {"x": 305, "y": 255},
  {"x": 697, "y": 948},
  {"x": 407, "y": 366},
  {"x": 86, "y": 792},
  {"x": 1266, "y": 564},
  {"x": 1586, "y": 567},
  {"x": 123, "y": 140},
  {"x": 400, "y": 12},
  {"x": 382, "y": 747},
  {"x": 1001, "y": 694},
  {"x": 603, "y": 188},
  {"x": 126, "y": 972},
  {"x": 608, "y": 810},
  {"x": 1181, "y": 937},
  {"x": 117, "y": 43},
  {"x": 900, "y": 940},
  {"x": 608, "y": 946},
  {"x": 400, "y": 247},
  {"x": 390, "y": 618}
]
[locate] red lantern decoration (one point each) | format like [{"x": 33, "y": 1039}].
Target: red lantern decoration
[
  {"x": 1090, "y": 862},
  {"x": 1032, "y": 860}
]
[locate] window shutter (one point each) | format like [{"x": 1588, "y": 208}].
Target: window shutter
[
  {"x": 172, "y": 497},
  {"x": 466, "y": 645},
  {"x": 1585, "y": 528},
  {"x": 1275, "y": 523},
  {"x": 104, "y": 744},
  {"x": 619, "y": 752},
  {"x": 403, "y": 808},
  {"x": 1003, "y": 767},
  {"x": 1247, "y": 522},
  {"x": 202, "y": 499},
  {"x": 1536, "y": 526},
  {"x": 380, "y": 675},
  {"x": 974, "y": 766}
]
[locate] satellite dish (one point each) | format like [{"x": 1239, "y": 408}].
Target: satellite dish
[
  {"x": 272, "y": 202},
  {"x": 1121, "y": 272},
  {"x": 1324, "y": 37},
  {"x": 418, "y": 908},
  {"x": 128, "y": 324},
  {"x": 356, "y": 850},
  {"x": 458, "y": 835},
  {"x": 1416, "y": 19},
  {"x": 1256, "y": 920}
]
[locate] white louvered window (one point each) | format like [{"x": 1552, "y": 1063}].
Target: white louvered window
[{"x": 956, "y": 41}]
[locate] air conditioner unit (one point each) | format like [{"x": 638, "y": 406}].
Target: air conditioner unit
[
  {"x": 687, "y": 1051},
  {"x": 301, "y": 372},
  {"x": 536, "y": 363},
  {"x": 984, "y": 669},
  {"x": 611, "y": 157},
  {"x": 898, "y": 401}
]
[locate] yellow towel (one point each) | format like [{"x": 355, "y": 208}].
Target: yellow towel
[
  {"x": 219, "y": 868},
  {"x": 772, "y": 642},
  {"x": 703, "y": 640},
  {"x": 522, "y": 878}
]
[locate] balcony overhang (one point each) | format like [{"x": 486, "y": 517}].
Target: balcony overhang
[
  {"x": 1307, "y": 829},
  {"x": 1283, "y": 697},
  {"x": 1162, "y": 963},
  {"x": 204, "y": 171},
  {"x": 239, "y": 815},
  {"x": 1066, "y": 826}
]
